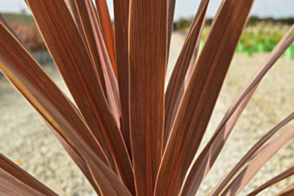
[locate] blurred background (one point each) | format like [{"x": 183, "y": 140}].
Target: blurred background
[
  {"x": 269, "y": 20},
  {"x": 26, "y": 140}
]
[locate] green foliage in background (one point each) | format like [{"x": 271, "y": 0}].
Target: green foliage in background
[
  {"x": 261, "y": 37},
  {"x": 19, "y": 18}
]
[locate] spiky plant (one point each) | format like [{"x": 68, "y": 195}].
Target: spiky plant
[{"x": 124, "y": 131}]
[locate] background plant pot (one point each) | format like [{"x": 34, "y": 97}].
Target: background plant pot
[
  {"x": 248, "y": 52},
  {"x": 289, "y": 54},
  {"x": 240, "y": 47},
  {"x": 260, "y": 47}
]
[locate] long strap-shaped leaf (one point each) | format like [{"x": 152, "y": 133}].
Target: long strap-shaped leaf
[
  {"x": 68, "y": 55},
  {"x": 171, "y": 4},
  {"x": 12, "y": 186},
  {"x": 249, "y": 155},
  {"x": 87, "y": 33},
  {"x": 76, "y": 158},
  {"x": 201, "y": 95},
  {"x": 7, "y": 25},
  {"x": 289, "y": 191},
  {"x": 65, "y": 145},
  {"x": 254, "y": 83},
  {"x": 108, "y": 182},
  {"x": 107, "y": 30},
  {"x": 87, "y": 20},
  {"x": 12, "y": 53},
  {"x": 195, "y": 55},
  {"x": 121, "y": 21},
  {"x": 78, "y": 161},
  {"x": 211, "y": 151},
  {"x": 254, "y": 166},
  {"x": 59, "y": 30},
  {"x": 192, "y": 63},
  {"x": 147, "y": 59},
  {"x": 180, "y": 70},
  {"x": 110, "y": 74},
  {"x": 94, "y": 40},
  {"x": 289, "y": 172},
  {"x": 258, "y": 147},
  {"x": 65, "y": 106},
  {"x": 18, "y": 173}
]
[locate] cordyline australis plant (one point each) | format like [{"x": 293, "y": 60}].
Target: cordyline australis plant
[{"x": 127, "y": 134}]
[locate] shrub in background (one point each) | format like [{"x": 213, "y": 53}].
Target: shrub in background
[{"x": 124, "y": 131}]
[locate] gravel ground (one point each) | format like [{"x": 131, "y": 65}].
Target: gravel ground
[{"x": 25, "y": 139}]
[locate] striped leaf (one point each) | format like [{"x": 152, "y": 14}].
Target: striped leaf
[
  {"x": 9, "y": 172},
  {"x": 147, "y": 63},
  {"x": 82, "y": 81},
  {"x": 289, "y": 172},
  {"x": 121, "y": 21},
  {"x": 107, "y": 30},
  {"x": 207, "y": 157},
  {"x": 254, "y": 166},
  {"x": 201, "y": 95},
  {"x": 174, "y": 91}
]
